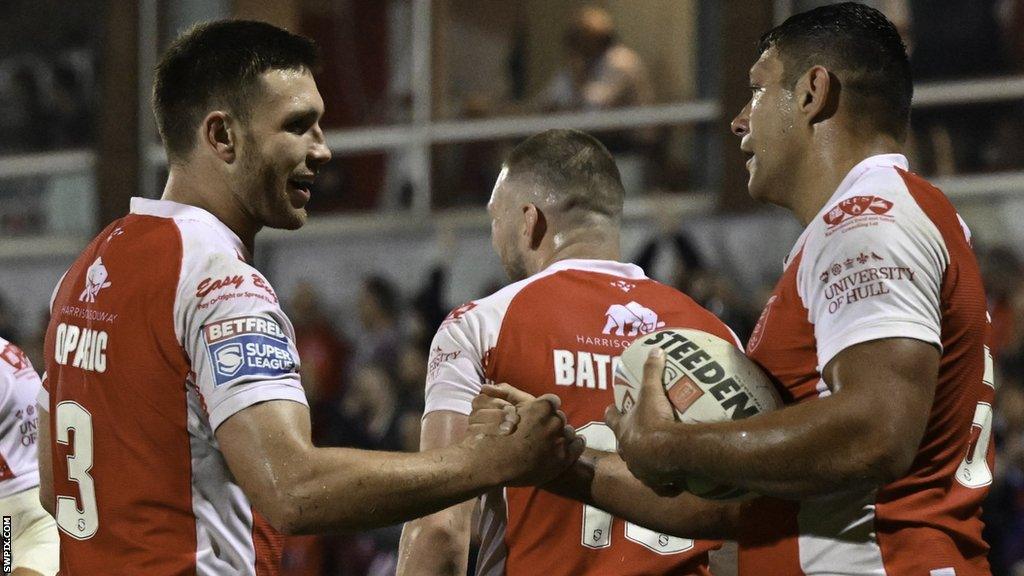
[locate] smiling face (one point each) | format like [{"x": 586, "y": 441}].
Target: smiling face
[
  {"x": 767, "y": 126},
  {"x": 281, "y": 149}
]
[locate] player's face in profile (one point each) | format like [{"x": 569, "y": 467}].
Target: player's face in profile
[
  {"x": 282, "y": 149},
  {"x": 504, "y": 226},
  {"x": 766, "y": 127}
]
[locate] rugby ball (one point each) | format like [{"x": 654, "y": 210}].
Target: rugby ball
[{"x": 707, "y": 379}]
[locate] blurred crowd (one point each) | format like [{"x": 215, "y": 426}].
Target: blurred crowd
[
  {"x": 364, "y": 375},
  {"x": 51, "y": 97}
]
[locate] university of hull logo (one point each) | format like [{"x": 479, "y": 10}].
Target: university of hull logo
[
  {"x": 630, "y": 320},
  {"x": 95, "y": 280},
  {"x": 856, "y": 206}
]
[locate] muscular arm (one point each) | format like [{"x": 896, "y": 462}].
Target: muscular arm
[
  {"x": 865, "y": 434},
  {"x": 45, "y": 462},
  {"x": 300, "y": 488},
  {"x": 601, "y": 479},
  {"x": 438, "y": 544}
]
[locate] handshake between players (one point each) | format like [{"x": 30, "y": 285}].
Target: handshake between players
[{"x": 523, "y": 444}]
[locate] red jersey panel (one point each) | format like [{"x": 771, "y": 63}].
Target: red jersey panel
[
  {"x": 561, "y": 331},
  {"x": 159, "y": 332},
  {"x": 888, "y": 257}
]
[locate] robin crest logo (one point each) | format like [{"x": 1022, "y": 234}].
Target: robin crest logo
[{"x": 95, "y": 280}]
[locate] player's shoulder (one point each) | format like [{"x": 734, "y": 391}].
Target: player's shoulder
[
  {"x": 14, "y": 361},
  {"x": 882, "y": 200},
  {"x": 485, "y": 311}
]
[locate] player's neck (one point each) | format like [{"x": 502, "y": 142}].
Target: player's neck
[
  {"x": 582, "y": 245},
  {"x": 825, "y": 169},
  {"x": 184, "y": 187}
]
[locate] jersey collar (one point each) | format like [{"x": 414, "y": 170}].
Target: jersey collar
[
  {"x": 856, "y": 173},
  {"x": 863, "y": 167},
  {"x": 610, "y": 267},
  {"x": 168, "y": 209}
]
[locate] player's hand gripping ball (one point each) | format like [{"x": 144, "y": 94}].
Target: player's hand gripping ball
[{"x": 706, "y": 379}]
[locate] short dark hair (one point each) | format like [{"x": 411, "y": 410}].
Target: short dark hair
[
  {"x": 572, "y": 165},
  {"x": 218, "y": 64},
  {"x": 862, "y": 47}
]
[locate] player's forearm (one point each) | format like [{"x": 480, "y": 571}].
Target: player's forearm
[
  {"x": 806, "y": 450},
  {"x": 436, "y": 545},
  {"x": 348, "y": 490},
  {"x": 601, "y": 479}
]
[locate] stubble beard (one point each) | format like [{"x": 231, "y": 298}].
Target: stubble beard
[
  {"x": 269, "y": 197},
  {"x": 515, "y": 266}
]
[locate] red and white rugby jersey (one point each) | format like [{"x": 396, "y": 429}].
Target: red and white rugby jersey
[
  {"x": 561, "y": 331},
  {"x": 159, "y": 332},
  {"x": 19, "y": 387},
  {"x": 888, "y": 256}
]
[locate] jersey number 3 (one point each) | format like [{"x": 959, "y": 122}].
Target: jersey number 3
[
  {"x": 78, "y": 519},
  {"x": 597, "y": 523}
]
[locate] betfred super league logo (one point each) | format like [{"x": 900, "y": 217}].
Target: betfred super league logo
[{"x": 854, "y": 207}]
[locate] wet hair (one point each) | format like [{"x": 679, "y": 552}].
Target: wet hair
[
  {"x": 861, "y": 47},
  {"x": 218, "y": 64},
  {"x": 573, "y": 168}
]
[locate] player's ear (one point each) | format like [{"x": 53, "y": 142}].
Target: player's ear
[
  {"x": 817, "y": 94},
  {"x": 219, "y": 135},
  {"x": 535, "y": 225}
]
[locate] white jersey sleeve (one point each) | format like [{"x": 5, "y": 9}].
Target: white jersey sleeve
[
  {"x": 863, "y": 283},
  {"x": 19, "y": 418},
  {"x": 455, "y": 371},
  {"x": 240, "y": 344}
]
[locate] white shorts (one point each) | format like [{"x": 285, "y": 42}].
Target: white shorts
[{"x": 34, "y": 539}]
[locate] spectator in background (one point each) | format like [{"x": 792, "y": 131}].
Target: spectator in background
[
  {"x": 1003, "y": 273},
  {"x": 71, "y": 111},
  {"x": 1004, "y": 511},
  {"x": 377, "y": 342},
  {"x": 954, "y": 39},
  {"x": 600, "y": 73},
  {"x": 324, "y": 354},
  {"x": 28, "y": 122},
  {"x": 707, "y": 286},
  {"x": 8, "y": 328}
]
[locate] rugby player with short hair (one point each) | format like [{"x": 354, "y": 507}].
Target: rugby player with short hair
[
  {"x": 175, "y": 432},
  {"x": 573, "y": 306}
]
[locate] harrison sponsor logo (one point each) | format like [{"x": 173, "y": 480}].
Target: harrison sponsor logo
[{"x": 631, "y": 319}]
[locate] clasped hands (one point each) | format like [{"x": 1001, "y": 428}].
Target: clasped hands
[{"x": 502, "y": 409}]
